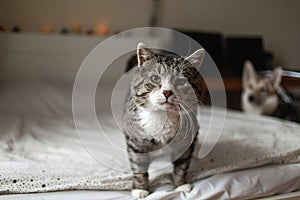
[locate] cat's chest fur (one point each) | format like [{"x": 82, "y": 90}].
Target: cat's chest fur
[{"x": 160, "y": 125}]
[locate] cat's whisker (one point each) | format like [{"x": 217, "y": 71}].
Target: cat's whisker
[
  {"x": 187, "y": 107},
  {"x": 148, "y": 106},
  {"x": 189, "y": 119},
  {"x": 190, "y": 109},
  {"x": 186, "y": 95},
  {"x": 190, "y": 98}
]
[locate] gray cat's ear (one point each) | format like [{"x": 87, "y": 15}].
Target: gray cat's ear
[
  {"x": 196, "y": 58},
  {"x": 249, "y": 72},
  {"x": 143, "y": 54},
  {"x": 276, "y": 77}
]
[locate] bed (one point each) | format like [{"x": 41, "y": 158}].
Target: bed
[{"x": 45, "y": 155}]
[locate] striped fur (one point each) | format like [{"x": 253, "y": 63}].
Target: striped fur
[{"x": 149, "y": 127}]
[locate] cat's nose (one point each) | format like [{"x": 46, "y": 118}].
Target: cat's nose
[
  {"x": 167, "y": 93},
  {"x": 251, "y": 98}
]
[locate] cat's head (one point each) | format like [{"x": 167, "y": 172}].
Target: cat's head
[{"x": 166, "y": 81}]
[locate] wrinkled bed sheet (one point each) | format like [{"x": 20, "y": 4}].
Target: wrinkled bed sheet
[{"x": 41, "y": 151}]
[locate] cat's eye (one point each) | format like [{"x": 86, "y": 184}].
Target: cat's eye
[
  {"x": 263, "y": 90},
  {"x": 155, "y": 79},
  {"x": 180, "y": 81},
  {"x": 250, "y": 86}
]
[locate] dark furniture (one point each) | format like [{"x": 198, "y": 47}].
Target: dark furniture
[{"x": 230, "y": 52}]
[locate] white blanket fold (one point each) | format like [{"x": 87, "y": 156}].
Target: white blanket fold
[{"x": 41, "y": 151}]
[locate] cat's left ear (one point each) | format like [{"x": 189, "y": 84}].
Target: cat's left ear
[
  {"x": 196, "y": 58},
  {"x": 144, "y": 54},
  {"x": 276, "y": 77}
]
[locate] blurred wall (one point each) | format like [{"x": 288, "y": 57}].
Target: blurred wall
[{"x": 276, "y": 20}]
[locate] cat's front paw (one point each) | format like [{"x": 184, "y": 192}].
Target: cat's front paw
[
  {"x": 184, "y": 188},
  {"x": 139, "y": 193}
]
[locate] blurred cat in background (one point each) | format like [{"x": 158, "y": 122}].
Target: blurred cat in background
[{"x": 260, "y": 95}]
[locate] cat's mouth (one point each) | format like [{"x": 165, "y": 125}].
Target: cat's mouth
[{"x": 166, "y": 103}]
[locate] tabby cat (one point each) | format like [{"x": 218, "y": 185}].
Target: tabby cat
[{"x": 160, "y": 115}]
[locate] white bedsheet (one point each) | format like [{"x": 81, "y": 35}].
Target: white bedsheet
[{"x": 40, "y": 151}]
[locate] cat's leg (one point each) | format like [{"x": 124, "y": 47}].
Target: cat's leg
[
  {"x": 139, "y": 164},
  {"x": 139, "y": 190},
  {"x": 181, "y": 166}
]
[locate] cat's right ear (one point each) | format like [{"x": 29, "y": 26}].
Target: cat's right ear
[
  {"x": 144, "y": 54},
  {"x": 249, "y": 72}
]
